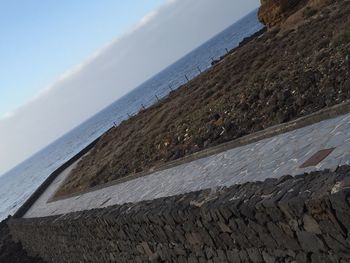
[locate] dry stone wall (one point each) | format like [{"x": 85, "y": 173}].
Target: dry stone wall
[{"x": 291, "y": 219}]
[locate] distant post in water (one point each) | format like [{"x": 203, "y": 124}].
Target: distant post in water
[
  {"x": 199, "y": 69},
  {"x": 143, "y": 106},
  {"x": 226, "y": 50},
  {"x": 170, "y": 87},
  {"x": 157, "y": 97},
  {"x": 187, "y": 78}
]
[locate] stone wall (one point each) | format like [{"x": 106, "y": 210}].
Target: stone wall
[{"x": 292, "y": 219}]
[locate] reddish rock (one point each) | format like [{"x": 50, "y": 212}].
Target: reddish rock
[{"x": 274, "y": 12}]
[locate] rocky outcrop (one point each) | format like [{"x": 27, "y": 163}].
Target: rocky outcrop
[{"x": 274, "y": 12}]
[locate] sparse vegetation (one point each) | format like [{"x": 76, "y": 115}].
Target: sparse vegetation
[
  {"x": 309, "y": 12},
  {"x": 272, "y": 79},
  {"x": 343, "y": 37}
]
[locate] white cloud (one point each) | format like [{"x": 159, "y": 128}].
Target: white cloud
[
  {"x": 7, "y": 115},
  {"x": 157, "y": 40}
]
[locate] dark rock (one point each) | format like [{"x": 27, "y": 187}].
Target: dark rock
[
  {"x": 233, "y": 256},
  {"x": 310, "y": 242},
  {"x": 10, "y": 251},
  {"x": 284, "y": 241},
  {"x": 221, "y": 255},
  {"x": 320, "y": 258},
  {"x": 302, "y": 257},
  {"x": 310, "y": 225},
  {"x": 254, "y": 255},
  {"x": 254, "y": 222},
  {"x": 268, "y": 258},
  {"x": 244, "y": 256}
]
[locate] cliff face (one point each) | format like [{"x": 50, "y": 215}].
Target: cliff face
[{"x": 275, "y": 12}]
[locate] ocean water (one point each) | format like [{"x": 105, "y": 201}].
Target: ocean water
[{"x": 19, "y": 183}]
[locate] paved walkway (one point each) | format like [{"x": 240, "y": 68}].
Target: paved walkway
[{"x": 268, "y": 158}]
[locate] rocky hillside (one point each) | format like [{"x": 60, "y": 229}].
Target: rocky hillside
[
  {"x": 275, "y": 12},
  {"x": 284, "y": 74}
]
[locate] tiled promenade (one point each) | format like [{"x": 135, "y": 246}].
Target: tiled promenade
[{"x": 272, "y": 157}]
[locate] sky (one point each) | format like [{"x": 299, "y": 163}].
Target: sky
[
  {"x": 63, "y": 61},
  {"x": 42, "y": 39}
]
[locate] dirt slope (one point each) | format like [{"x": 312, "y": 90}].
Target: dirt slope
[{"x": 278, "y": 77}]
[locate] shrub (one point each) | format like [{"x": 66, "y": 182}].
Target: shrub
[
  {"x": 342, "y": 38},
  {"x": 309, "y": 12}
]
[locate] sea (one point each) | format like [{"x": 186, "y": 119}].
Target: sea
[{"x": 18, "y": 184}]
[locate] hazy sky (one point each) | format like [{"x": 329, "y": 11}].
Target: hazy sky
[
  {"x": 43, "y": 38},
  {"x": 62, "y": 61}
]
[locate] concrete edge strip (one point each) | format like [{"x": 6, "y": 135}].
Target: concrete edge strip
[
  {"x": 324, "y": 114},
  {"x": 42, "y": 188}
]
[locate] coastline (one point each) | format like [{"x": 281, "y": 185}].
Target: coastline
[
  {"x": 284, "y": 76},
  {"x": 12, "y": 252}
]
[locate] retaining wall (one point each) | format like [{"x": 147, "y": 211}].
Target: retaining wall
[
  {"x": 321, "y": 115},
  {"x": 49, "y": 180},
  {"x": 291, "y": 219}
]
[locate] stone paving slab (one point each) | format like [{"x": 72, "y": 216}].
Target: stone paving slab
[{"x": 268, "y": 158}]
